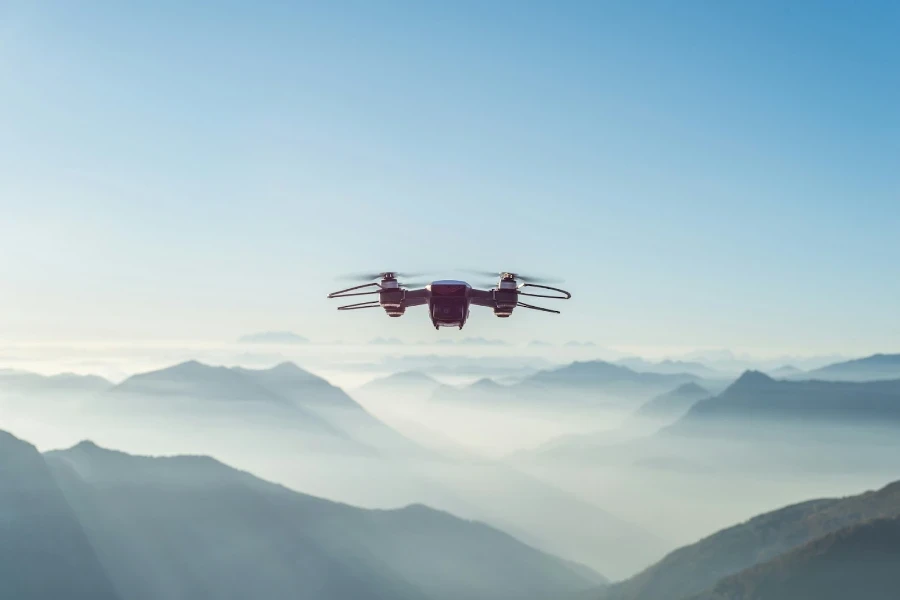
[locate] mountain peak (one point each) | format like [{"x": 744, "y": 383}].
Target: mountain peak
[
  {"x": 752, "y": 378},
  {"x": 869, "y": 368},
  {"x": 287, "y": 367},
  {"x": 690, "y": 388},
  {"x": 485, "y": 383},
  {"x": 188, "y": 366},
  {"x": 189, "y": 369},
  {"x": 86, "y": 446},
  {"x": 89, "y": 449},
  {"x": 8, "y": 442}
]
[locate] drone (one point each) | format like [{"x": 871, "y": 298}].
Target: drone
[{"x": 448, "y": 300}]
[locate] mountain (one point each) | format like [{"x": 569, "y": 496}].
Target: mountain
[
  {"x": 593, "y": 384},
  {"x": 285, "y": 395},
  {"x": 313, "y": 394},
  {"x": 860, "y": 561},
  {"x": 598, "y": 372},
  {"x": 273, "y": 337},
  {"x": 756, "y": 397},
  {"x": 668, "y": 367},
  {"x": 785, "y": 371},
  {"x": 598, "y": 382},
  {"x": 301, "y": 388},
  {"x": 693, "y": 569},
  {"x": 44, "y": 551},
  {"x": 199, "y": 381},
  {"x": 404, "y": 382},
  {"x": 191, "y": 527},
  {"x": 484, "y": 391},
  {"x": 23, "y": 381},
  {"x": 486, "y": 384},
  {"x": 871, "y": 368},
  {"x": 672, "y": 405},
  {"x": 577, "y": 344}
]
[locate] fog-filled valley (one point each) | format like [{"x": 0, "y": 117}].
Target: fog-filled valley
[{"x": 579, "y": 470}]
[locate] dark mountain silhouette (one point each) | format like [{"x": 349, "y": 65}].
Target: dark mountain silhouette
[
  {"x": 693, "y": 569},
  {"x": 871, "y": 368},
  {"x": 23, "y": 381},
  {"x": 860, "y": 561},
  {"x": 44, "y": 552},
  {"x": 674, "y": 404},
  {"x": 756, "y": 397},
  {"x": 273, "y": 337},
  {"x": 191, "y": 527}
]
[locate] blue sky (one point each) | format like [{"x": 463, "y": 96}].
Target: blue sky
[{"x": 701, "y": 174}]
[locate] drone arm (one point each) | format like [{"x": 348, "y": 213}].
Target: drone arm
[
  {"x": 416, "y": 297},
  {"x": 351, "y": 291},
  {"x": 359, "y": 305},
  {"x": 565, "y": 295},
  {"x": 532, "y": 307},
  {"x": 481, "y": 297}
]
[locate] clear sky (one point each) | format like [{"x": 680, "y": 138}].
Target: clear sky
[{"x": 700, "y": 173}]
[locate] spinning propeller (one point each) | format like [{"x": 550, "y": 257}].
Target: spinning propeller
[
  {"x": 384, "y": 276},
  {"x": 512, "y": 275}
]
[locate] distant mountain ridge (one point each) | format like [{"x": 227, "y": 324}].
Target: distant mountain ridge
[
  {"x": 668, "y": 367},
  {"x": 401, "y": 381},
  {"x": 581, "y": 373},
  {"x": 304, "y": 398},
  {"x": 15, "y": 380},
  {"x": 870, "y": 368},
  {"x": 673, "y": 404},
  {"x": 590, "y": 384},
  {"x": 200, "y": 380},
  {"x": 756, "y": 396},
  {"x": 273, "y": 337}
]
